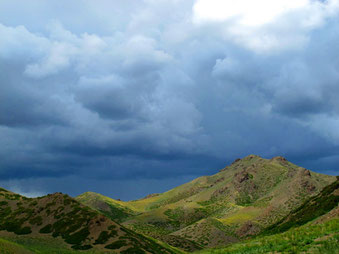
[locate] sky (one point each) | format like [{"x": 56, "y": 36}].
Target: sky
[{"x": 128, "y": 97}]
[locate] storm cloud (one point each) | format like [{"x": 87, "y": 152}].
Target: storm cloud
[{"x": 131, "y": 97}]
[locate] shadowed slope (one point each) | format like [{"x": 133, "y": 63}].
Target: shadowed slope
[{"x": 61, "y": 216}]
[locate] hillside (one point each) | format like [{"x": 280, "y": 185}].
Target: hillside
[
  {"x": 57, "y": 223},
  {"x": 112, "y": 208},
  {"x": 311, "y": 228},
  {"x": 242, "y": 199},
  {"x": 311, "y": 238},
  {"x": 323, "y": 206}
]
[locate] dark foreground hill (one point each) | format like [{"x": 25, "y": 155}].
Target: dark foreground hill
[
  {"x": 241, "y": 200},
  {"x": 57, "y": 223}
]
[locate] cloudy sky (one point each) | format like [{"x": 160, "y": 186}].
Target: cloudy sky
[{"x": 130, "y": 97}]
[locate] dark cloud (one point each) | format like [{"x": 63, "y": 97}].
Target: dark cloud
[{"x": 137, "y": 94}]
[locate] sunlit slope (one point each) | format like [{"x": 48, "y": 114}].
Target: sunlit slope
[
  {"x": 311, "y": 228},
  {"x": 115, "y": 209},
  {"x": 78, "y": 227},
  {"x": 323, "y": 206},
  {"x": 242, "y": 199},
  {"x": 311, "y": 238}
]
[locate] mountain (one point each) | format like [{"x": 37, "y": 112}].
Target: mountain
[
  {"x": 311, "y": 228},
  {"x": 241, "y": 200},
  {"x": 320, "y": 238},
  {"x": 57, "y": 223},
  {"x": 120, "y": 211},
  {"x": 253, "y": 205},
  {"x": 323, "y": 205}
]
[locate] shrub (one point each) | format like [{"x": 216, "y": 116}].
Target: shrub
[
  {"x": 36, "y": 221},
  {"x": 46, "y": 229},
  {"x": 103, "y": 237},
  {"x": 77, "y": 237},
  {"x": 116, "y": 245},
  {"x": 23, "y": 231},
  {"x": 133, "y": 251},
  {"x": 82, "y": 247}
]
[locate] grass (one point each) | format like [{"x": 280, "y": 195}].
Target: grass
[
  {"x": 114, "y": 209},
  {"x": 71, "y": 225},
  {"x": 254, "y": 189},
  {"x": 34, "y": 244},
  {"x": 319, "y": 238},
  {"x": 209, "y": 211},
  {"x": 8, "y": 247},
  {"x": 241, "y": 216},
  {"x": 314, "y": 207}
]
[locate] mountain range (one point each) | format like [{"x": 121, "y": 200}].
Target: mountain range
[{"x": 253, "y": 199}]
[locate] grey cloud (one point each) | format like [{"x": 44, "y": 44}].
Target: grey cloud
[{"x": 146, "y": 94}]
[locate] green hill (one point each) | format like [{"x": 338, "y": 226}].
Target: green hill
[
  {"x": 241, "y": 200},
  {"x": 110, "y": 207},
  {"x": 8, "y": 247},
  {"x": 311, "y": 238},
  {"x": 57, "y": 223},
  {"x": 254, "y": 205},
  {"x": 311, "y": 228},
  {"x": 327, "y": 200}
]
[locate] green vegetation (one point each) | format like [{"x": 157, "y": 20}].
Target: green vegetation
[
  {"x": 318, "y": 238},
  {"x": 316, "y": 206},
  {"x": 116, "y": 245},
  {"x": 107, "y": 206},
  {"x": 46, "y": 229},
  {"x": 77, "y": 226},
  {"x": 33, "y": 244},
  {"x": 241, "y": 200},
  {"x": 264, "y": 205},
  {"x": 8, "y": 247}
]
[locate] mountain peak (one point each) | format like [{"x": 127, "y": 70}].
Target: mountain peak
[
  {"x": 279, "y": 159},
  {"x": 252, "y": 156}
]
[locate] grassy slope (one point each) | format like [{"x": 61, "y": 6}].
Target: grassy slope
[
  {"x": 311, "y": 209},
  {"x": 8, "y": 247},
  {"x": 33, "y": 222},
  {"x": 50, "y": 245},
  {"x": 114, "y": 209},
  {"x": 312, "y": 228},
  {"x": 310, "y": 238},
  {"x": 244, "y": 198},
  {"x": 38, "y": 244}
]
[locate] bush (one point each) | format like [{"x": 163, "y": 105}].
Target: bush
[
  {"x": 82, "y": 247},
  {"x": 3, "y": 203},
  {"x": 116, "y": 245},
  {"x": 133, "y": 251},
  {"x": 46, "y": 229},
  {"x": 103, "y": 237},
  {"x": 77, "y": 237},
  {"x": 36, "y": 221},
  {"x": 23, "y": 231}
]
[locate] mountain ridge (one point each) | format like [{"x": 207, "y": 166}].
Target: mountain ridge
[
  {"x": 249, "y": 198},
  {"x": 240, "y": 200},
  {"x": 78, "y": 226}
]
